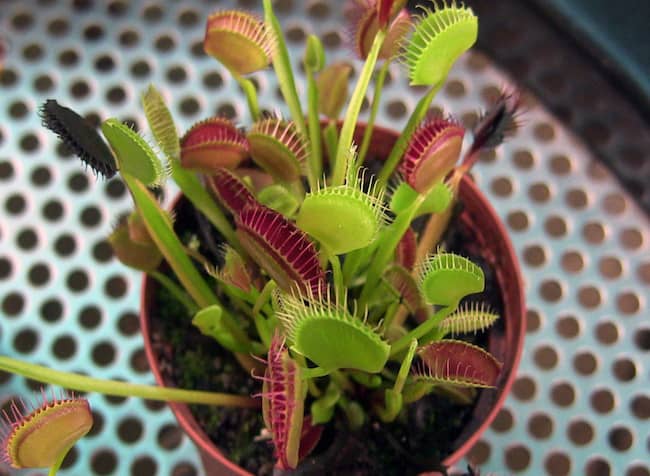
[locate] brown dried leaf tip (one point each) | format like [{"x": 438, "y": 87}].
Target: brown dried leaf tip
[{"x": 499, "y": 122}]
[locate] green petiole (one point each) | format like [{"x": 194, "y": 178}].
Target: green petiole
[
  {"x": 283, "y": 71},
  {"x": 352, "y": 113},
  {"x": 389, "y": 239},
  {"x": 374, "y": 109},
  {"x": 419, "y": 113},
  {"x": 251, "y": 95},
  {"x": 421, "y": 330},
  {"x": 162, "y": 232},
  {"x": 196, "y": 193},
  {"x": 82, "y": 383},
  {"x": 59, "y": 461},
  {"x": 314, "y": 60},
  {"x": 176, "y": 291}
]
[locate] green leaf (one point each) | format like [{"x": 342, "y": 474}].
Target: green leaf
[
  {"x": 438, "y": 199},
  {"x": 161, "y": 231},
  {"x": 404, "y": 284},
  {"x": 45, "y": 433},
  {"x": 140, "y": 256},
  {"x": 134, "y": 154},
  {"x": 330, "y": 337},
  {"x": 314, "y": 54},
  {"x": 213, "y": 322},
  {"x": 446, "y": 278},
  {"x": 440, "y": 37},
  {"x": 332, "y": 86},
  {"x": 352, "y": 112},
  {"x": 322, "y": 409},
  {"x": 472, "y": 317},
  {"x": 403, "y": 197},
  {"x": 283, "y": 70},
  {"x": 279, "y": 199},
  {"x": 194, "y": 190},
  {"x": 359, "y": 216},
  {"x": 161, "y": 122}
]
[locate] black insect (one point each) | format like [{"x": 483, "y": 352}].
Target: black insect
[{"x": 80, "y": 136}]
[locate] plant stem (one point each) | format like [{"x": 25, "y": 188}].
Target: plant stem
[
  {"x": 390, "y": 237},
  {"x": 330, "y": 136},
  {"x": 357, "y": 259},
  {"x": 162, "y": 233},
  {"x": 251, "y": 94},
  {"x": 389, "y": 316},
  {"x": 261, "y": 323},
  {"x": 405, "y": 367},
  {"x": 316, "y": 156},
  {"x": 424, "y": 328},
  {"x": 197, "y": 256},
  {"x": 59, "y": 461},
  {"x": 352, "y": 113},
  {"x": 419, "y": 113},
  {"x": 313, "y": 372},
  {"x": 82, "y": 383},
  {"x": 176, "y": 291},
  {"x": 196, "y": 193},
  {"x": 438, "y": 222},
  {"x": 314, "y": 391},
  {"x": 339, "y": 287},
  {"x": 283, "y": 70},
  {"x": 374, "y": 109},
  {"x": 400, "y": 316},
  {"x": 393, "y": 398}
]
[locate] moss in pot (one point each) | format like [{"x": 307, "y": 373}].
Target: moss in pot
[{"x": 325, "y": 288}]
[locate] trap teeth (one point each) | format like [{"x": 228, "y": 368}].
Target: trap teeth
[{"x": 212, "y": 144}]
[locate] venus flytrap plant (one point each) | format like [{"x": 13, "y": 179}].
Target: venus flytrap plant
[{"x": 323, "y": 286}]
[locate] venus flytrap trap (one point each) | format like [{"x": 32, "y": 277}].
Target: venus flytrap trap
[
  {"x": 40, "y": 435},
  {"x": 326, "y": 287}
]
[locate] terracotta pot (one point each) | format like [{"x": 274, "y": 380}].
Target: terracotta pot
[{"x": 504, "y": 342}]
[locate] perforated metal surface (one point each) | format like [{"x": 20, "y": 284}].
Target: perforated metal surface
[{"x": 581, "y": 402}]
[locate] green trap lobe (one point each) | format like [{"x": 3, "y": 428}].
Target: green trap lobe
[
  {"x": 353, "y": 224},
  {"x": 337, "y": 344}
]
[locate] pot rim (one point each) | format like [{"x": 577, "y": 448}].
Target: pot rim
[{"x": 515, "y": 305}]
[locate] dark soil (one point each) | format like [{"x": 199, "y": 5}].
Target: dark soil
[{"x": 417, "y": 441}]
